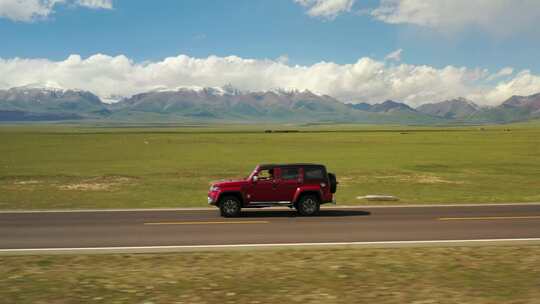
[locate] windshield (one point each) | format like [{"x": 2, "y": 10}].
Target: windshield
[{"x": 253, "y": 173}]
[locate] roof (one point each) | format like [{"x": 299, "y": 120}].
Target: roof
[{"x": 290, "y": 165}]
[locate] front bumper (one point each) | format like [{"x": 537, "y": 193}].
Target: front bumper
[{"x": 211, "y": 201}]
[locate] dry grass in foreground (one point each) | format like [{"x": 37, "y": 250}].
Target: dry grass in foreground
[{"x": 405, "y": 275}]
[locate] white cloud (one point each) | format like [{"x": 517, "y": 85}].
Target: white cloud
[
  {"x": 504, "y": 72},
  {"x": 501, "y": 17},
  {"x": 32, "y": 10},
  {"x": 284, "y": 59},
  {"x": 104, "y": 4},
  {"x": 326, "y": 8},
  {"x": 395, "y": 55},
  {"x": 523, "y": 84},
  {"x": 26, "y": 10},
  {"x": 364, "y": 80}
]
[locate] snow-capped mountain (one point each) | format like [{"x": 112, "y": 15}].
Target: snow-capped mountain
[{"x": 37, "y": 102}]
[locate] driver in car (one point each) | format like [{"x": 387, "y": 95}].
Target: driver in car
[{"x": 266, "y": 174}]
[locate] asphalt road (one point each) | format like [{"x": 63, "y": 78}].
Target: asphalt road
[{"x": 265, "y": 226}]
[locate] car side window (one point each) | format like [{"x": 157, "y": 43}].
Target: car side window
[
  {"x": 266, "y": 174},
  {"x": 313, "y": 173},
  {"x": 290, "y": 173}
]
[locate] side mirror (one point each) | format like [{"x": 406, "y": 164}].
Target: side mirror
[{"x": 255, "y": 178}]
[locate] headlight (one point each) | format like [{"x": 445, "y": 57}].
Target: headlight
[{"x": 214, "y": 188}]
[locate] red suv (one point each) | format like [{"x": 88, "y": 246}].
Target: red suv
[{"x": 301, "y": 186}]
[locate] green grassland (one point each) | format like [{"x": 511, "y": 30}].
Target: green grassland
[
  {"x": 123, "y": 166},
  {"x": 393, "y": 275}
]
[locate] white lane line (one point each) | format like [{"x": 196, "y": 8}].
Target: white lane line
[
  {"x": 275, "y": 208},
  {"x": 203, "y": 247}
]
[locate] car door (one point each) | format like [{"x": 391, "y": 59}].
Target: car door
[
  {"x": 264, "y": 188},
  {"x": 289, "y": 178}
]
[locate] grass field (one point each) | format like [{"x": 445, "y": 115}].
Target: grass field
[
  {"x": 86, "y": 166},
  {"x": 406, "y": 275}
]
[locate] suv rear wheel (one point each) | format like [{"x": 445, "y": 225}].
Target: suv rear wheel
[
  {"x": 308, "y": 205},
  {"x": 230, "y": 206}
]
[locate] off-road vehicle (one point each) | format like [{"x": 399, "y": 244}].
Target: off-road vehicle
[{"x": 301, "y": 186}]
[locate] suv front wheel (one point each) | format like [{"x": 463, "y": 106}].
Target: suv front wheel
[
  {"x": 308, "y": 205},
  {"x": 230, "y": 206}
]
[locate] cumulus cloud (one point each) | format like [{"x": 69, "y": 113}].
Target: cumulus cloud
[
  {"x": 326, "y": 8},
  {"x": 394, "y": 56},
  {"x": 25, "y": 10},
  {"x": 496, "y": 16},
  {"x": 525, "y": 83},
  {"x": 284, "y": 59},
  {"x": 366, "y": 80},
  {"x": 32, "y": 10},
  {"x": 504, "y": 72},
  {"x": 104, "y": 4}
]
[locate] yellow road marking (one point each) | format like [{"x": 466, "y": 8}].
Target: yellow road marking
[
  {"x": 489, "y": 218},
  {"x": 208, "y": 223}
]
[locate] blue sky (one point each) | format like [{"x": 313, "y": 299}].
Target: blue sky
[
  {"x": 301, "y": 30},
  {"x": 151, "y": 30}
]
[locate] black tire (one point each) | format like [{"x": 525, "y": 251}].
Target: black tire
[
  {"x": 333, "y": 182},
  {"x": 230, "y": 206},
  {"x": 308, "y": 205}
]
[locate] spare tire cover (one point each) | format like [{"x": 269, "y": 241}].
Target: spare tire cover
[{"x": 333, "y": 182}]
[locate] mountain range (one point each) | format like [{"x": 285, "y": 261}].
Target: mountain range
[
  {"x": 31, "y": 103},
  {"x": 458, "y": 108}
]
